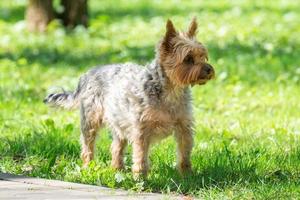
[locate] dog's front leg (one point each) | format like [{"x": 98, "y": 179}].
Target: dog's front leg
[
  {"x": 117, "y": 152},
  {"x": 140, "y": 147},
  {"x": 184, "y": 139}
]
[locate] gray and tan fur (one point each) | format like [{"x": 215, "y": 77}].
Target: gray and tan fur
[{"x": 142, "y": 105}]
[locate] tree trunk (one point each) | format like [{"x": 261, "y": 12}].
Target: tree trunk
[
  {"x": 39, "y": 13},
  {"x": 75, "y": 13}
]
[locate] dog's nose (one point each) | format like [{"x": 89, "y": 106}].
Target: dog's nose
[{"x": 208, "y": 68}]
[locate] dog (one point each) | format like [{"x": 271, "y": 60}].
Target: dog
[{"x": 142, "y": 105}]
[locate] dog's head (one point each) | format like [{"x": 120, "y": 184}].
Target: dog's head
[{"x": 183, "y": 58}]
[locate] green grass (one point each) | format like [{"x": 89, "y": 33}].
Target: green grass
[{"x": 247, "y": 120}]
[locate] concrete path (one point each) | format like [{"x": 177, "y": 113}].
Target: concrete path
[{"x": 20, "y": 187}]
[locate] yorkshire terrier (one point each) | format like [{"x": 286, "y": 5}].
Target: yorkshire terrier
[{"x": 142, "y": 104}]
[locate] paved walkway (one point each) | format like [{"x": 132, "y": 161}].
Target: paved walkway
[{"x": 20, "y": 187}]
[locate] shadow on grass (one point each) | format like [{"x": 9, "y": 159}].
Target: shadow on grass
[
  {"x": 47, "y": 142},
  {"x": 219, "y": 171},
  {"x": 52, "y": 57},
  {"x": 216, "y": 169}
]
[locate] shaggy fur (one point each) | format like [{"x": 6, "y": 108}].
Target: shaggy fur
[{"x": 142, "y": 104}]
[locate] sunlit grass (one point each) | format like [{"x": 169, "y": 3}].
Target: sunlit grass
[{"x": 247, "y": 121}]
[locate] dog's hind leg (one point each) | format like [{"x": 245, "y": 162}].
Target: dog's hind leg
[{"x": 91, "y": 119}]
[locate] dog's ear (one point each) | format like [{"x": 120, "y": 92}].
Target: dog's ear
[
  {"x": 170, "y": 34},
  {"x": 192, "y": 28}
]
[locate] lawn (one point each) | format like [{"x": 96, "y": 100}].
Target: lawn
[{"x": 247, "y": 120}]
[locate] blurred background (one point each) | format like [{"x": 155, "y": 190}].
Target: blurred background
[{"x": 247, "y": 120}]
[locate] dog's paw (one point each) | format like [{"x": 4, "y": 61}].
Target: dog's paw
[
  {"x": 185, "y": 168},
  {"x": 139, "y": 172},
  {"x": 117, "y": 165}
]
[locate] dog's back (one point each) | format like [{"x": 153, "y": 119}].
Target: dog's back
[{"x": 97, "y": 81}]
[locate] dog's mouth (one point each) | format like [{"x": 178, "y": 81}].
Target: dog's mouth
[
  {"x": 199, "y": 82},
  {"x": 203, "y": 80}
]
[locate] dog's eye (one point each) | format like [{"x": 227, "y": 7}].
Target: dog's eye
[{"x": 189, "y": 60}]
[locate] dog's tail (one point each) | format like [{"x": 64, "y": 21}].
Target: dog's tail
[{"x": 67, "y": 100}]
